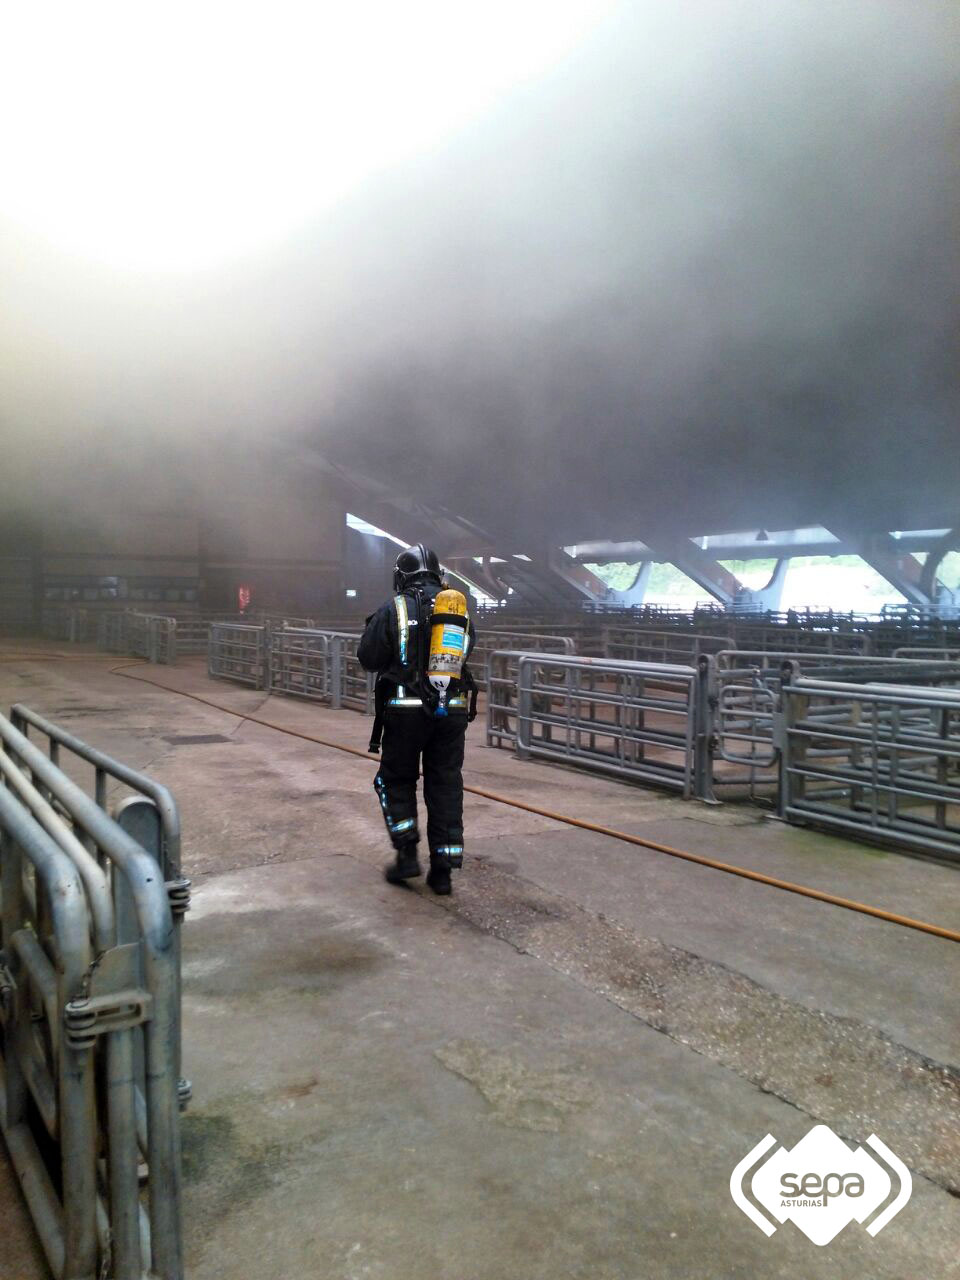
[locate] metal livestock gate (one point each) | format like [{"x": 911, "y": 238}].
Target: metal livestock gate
[
  {"x": 90, "y": 1007},
  {"x": 633, "y": 720},
  {"x": 876, "y": 761},
  {"x": 238, "y": 651}
]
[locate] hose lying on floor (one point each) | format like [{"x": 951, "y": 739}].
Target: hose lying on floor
[{"x": 773, "y": 882}]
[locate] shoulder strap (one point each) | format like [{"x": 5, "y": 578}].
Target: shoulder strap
[
  {"x": 420, "y": 643},
  {"x": 413, "y": 641},
  {"x": 403, "y": 627}
]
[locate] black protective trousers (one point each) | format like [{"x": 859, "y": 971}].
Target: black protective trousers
[{"x": 408, "y": 738}]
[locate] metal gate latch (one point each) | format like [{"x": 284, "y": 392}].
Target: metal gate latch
[{"x": 84, "y": 1020}]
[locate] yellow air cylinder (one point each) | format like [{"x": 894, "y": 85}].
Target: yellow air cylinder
[{"x": 448, "y": 634}]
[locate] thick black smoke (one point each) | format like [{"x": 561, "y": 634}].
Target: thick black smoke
[{"x": 703, "y": 276}]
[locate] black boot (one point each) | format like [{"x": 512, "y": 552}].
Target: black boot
[
  {"x": 406, "y": 866},
  {"x": 438, "y": 878}
]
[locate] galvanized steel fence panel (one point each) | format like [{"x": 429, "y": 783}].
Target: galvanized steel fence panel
[
  {"x": 489, "y": 642},
  {"x": 919, "y": 653},
  {"x": 745, "y": 696},
  {"x": 112, "y": 632},
  {"x": 501, "y": 697},
  {"x": 628, "y": 719},
  {"x": 152, "y": 636},
  {"x": 921, "y": 633},
  {"x": 300, "y": 664},
  {"x": 640, "y": 644},
  {"x": 159, "y": 832},
  {"x": 191, "y": 635},
  {"x": 322, "y": 665},
  {"x": 238, "y": 651},
  {"x": 68, "y": 623},
  {"x": 799, "y": 639},
  {"x": 353, "y": 685},
  {"x": 743, "y": 701},
  {"x": 877, "y": 761},
  {"x": 89, "y": 999}
]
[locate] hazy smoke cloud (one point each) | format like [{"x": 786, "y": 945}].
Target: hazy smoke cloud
[{"x": 703, "y": 276}]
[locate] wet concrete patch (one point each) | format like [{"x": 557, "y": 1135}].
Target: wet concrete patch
[
  {"x": 520, "y": 1096},
  {"x": 224, "y": 1169},
  {"x": 249, "y": 953}
]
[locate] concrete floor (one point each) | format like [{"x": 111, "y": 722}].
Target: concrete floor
[{"x": 553, "y": 1072}]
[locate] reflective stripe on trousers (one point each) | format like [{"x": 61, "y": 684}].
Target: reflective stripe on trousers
[{"x": 401, "y": 826}]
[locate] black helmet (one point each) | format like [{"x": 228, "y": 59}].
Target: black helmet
[{"x": 415, "y": 563}]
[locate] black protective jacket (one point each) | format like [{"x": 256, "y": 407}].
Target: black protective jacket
[{"x": 401, "y": 682}]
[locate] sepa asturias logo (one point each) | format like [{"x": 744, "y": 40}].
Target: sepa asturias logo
[{"x": 821, "y": 1184}]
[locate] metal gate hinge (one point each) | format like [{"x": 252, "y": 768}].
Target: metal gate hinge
[
  {"x": 8, "y": 989},
  {"x": 85, "y": 1019},
  {"x": 178, "y": 892}
]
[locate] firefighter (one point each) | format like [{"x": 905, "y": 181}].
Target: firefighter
[{"x": 422, "y": 715}]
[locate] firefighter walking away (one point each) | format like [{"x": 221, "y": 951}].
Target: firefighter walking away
[{"x": 418, "y": 642}]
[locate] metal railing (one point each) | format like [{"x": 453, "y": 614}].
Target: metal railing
[
  {"x": 238, "y": 651},
  {"x": 352, "y": 686},
  {"x": 90, "y": 1007},
  {"x": 920, "y": 653},
  {"x": 321, "y": 665},
  {"x": 744, "y": 694},
  {"x": 627, "y": 719},
  {"x": 187, "y": 633},
  {"x": 112, "y": 632},
  {"x": 490, "y": 642},
  {"x": 299, "y": 661},
  {"x": 152, "y": 636},
  {"x": 877, "y": 761},
  {"x": 285, "y": 620},
  {"x": 66, "y": 622},
  {"x": 915, "y": 633},
  {"x": 889, "y": 774},
  {"x": 799, "y": 639},
  {"x": 642, "y": 644},
  {"x": 156, "y": 827},
  {"x": 500, "y": 681},
  {"x": 191, "y": 635}
]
